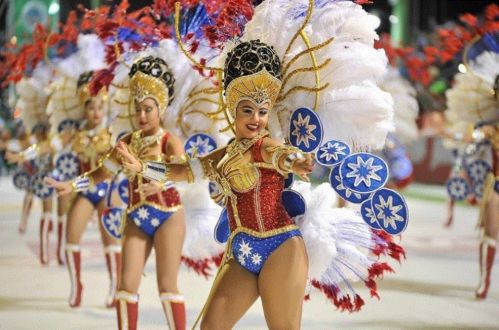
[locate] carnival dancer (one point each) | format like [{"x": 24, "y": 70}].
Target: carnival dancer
[
  {"x": 32, "y": 102},
  {"x": 265, "y": 254},
  {"x": 22, "y": 173},
  {"x": 154, "y": 215},
  {"x": 473, "y": 102},
  {"x": 95, "y": 134}
]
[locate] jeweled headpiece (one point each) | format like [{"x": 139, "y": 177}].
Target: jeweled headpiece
[
  {"x": 151, "y": 77},
  {"x": 252, "y": 72}
]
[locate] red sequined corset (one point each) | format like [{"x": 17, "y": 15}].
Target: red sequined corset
[
  {"x": 260, "y": 208},
  {"x": 167, "y": 200}
]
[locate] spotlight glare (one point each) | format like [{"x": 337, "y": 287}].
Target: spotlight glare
[
  {"x": 393, "y": 19},
  {"x": 53, "y": 8}
]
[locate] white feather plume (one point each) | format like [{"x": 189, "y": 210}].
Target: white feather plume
[
  {"x": 486, "y": 66},
  {"x": 33, "y": 96},
  {"x": 337, "y": 239},
  {"x": 352, "y": 108},
  {"x": 405, "y": 105},
  {"x": 63, "y": 103},
  {"x": 470, "y": 100}
]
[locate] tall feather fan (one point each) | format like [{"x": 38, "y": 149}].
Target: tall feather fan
[
  {"x": 472, "y": 98},
  {"x": 404, "y": 103},
  {"x": 33, "y": 96},
  {"x": 63, "y": 103},
  {"x": 341, "y": 34}
]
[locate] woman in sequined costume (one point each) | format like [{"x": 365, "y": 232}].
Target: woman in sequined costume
[
  {"x": 154, "y": 215},
  {"x": 38, "y": 158},
  {"x": 90, "y": 143},
  {"x": 489, "y": 209},
  {"x": 264, "y": 244}
]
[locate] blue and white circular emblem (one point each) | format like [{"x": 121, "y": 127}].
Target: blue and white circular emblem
[
  {"x": 112, "y": 221},
  {"x": 293, "y": 202},
  {"x": 363, "y": 172},
  {"x": 368, "y": 214},
  {"x": 344, "y": 192},
  {"x": 390, "y": 210},
  {"x": 332, "y": 153},
  {"x": 123, "y": 190},
  {"x": 21, "y": 179},
  {"x": 305, "y": 130},
  {"x": 222, "y": 229},
  {"x": 39, "y": 187},
  {"x": 199, "y": 144},
  {"x": 457, "y": 188},
  {"x": 478, "y": 188},
  {"x": 68, "y": 166},
  {"x": 478, "y": 170}
]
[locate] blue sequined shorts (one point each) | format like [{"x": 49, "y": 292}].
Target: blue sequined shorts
[
  {"x": 96, "y": 193},
  {"x": 148, "y": 218},
  {"x": 251, "y": 252}
]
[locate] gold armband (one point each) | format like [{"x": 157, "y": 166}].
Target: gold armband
[{"x": 291, "y": 154}]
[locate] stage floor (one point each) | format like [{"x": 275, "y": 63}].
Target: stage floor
[{"x": 432, "y": 289}]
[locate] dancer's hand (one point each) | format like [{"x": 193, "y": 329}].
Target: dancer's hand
[
  {"x": 13, "y": 157},
  {"x": 128, "y": 160},
  {"x": 150, "y": 188},
  {"x": 62, "y": 187},
  {"x": 303, "y": 167}
]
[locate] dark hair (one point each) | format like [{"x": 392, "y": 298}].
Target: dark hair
[
  {"x": 84, "y": 78},
  {"x": 250, "y": 57}
]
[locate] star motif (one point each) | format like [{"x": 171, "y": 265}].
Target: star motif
[
  {"x": 155, "y": 222},
  {"x": 241, "y": 260},
  {"x": 200, "y": 147},
  {"x": 303, "y": 130},
  {"x": 124, "y": 191},
  {"x": 256, "y": 259},
  {"x": 364, "y": 171},
  {"x": 68, "y": 166},
  {"x": 137, "y": 222},
  {"x": 370, "y": 214},
  {"x": 348, "y": 192},
  {"x": 245, "y": 249},
  {"x": 457, "y": 188},
  {"x": 388, "y": 212},
  {"x": 477, "y": 170},
  {"x": 143, "y": 213},
  {"x": 113, "y": 222},
  {"x": 43, "y": 190},
  {"x": 331, "y": 151}
]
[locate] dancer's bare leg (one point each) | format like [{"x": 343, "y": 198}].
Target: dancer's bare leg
[
  {"x": 236, "y": 291},
  {"x": 282, "y": 284}
]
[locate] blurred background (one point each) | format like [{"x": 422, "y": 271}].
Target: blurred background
[{"x": 406, "y": 22}]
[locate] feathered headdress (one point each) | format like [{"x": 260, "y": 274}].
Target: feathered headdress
[
  {"x": 325, "y": 49},
  {"x": 70, "y": 89},
  {"x": 33, "y": 97}
]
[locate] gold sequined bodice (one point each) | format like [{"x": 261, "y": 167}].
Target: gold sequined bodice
[
  {"x": 147, "y": 148},
  {"x": 91, "y": 145},
  {"x": 241, "y": 174}
]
